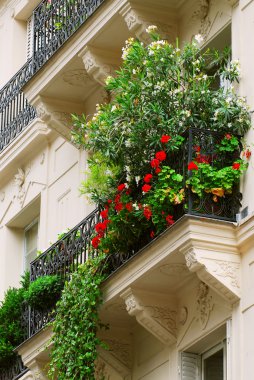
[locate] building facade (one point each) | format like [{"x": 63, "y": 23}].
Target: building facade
[{"x": 182, "y": 308}]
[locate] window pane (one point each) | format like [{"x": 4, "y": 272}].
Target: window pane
[{"x": 213, "y": 366}]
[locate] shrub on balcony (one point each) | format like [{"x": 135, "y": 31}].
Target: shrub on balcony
[
  {"x": 43, "y": 293},
  {"x": 138, "y": 139}
]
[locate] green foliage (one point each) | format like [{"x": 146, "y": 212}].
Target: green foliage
[
  {"x": 77, "y": 321},
  {"x": 44, "y": 292},
  {"x": 11, "y": 332}
]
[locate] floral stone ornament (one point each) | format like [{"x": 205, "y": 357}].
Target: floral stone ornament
[{"x": 168, "y": 135}]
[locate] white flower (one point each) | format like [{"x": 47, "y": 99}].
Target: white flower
[
  {"x": 128, "y": 143},
  {"x": 135, "y": 206},
  {"x": 137, "y": 179},
  {"x": 199, "y": 38},
  {"x": 151, "y": 28},
  {"x": 113, "y": 108},
  {"x": 134, "y": 71}
]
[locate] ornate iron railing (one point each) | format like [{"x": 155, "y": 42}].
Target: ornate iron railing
[
  {"x": 54, "y": 22},
  {"x": 73, "y": 249},
  {"x": 14, "y": 371},
  {"x": 15, "y": 111}
]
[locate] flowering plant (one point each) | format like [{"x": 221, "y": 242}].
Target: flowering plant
[{"x": 139, "y": 137}]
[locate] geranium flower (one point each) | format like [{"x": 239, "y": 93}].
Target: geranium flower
[
  {"x": 161, "y": 155},
  {"x": 169, "y": 220},
  {"x": 247, "y": 154},
  {"x": 95, "y": 242},
  {"x": 109, "y": 201},
  {"x": 236, "y": 166},
  {"x": 157, "y": 170},
  {"x": 101, "y": 227},
  {"x": 228, "y": 136},
  {"x": 148, "y": 178},
  {"x": 146, "y": 188},
  {"x": 197, "y": 148},
  {"x": 192, "y": 166},
  {"x": 104, "y": 213},
  {"x": 147, "y": 213},
  {"x": 128, "y": 206},
  {"x": 155, "y": 163},
  {"x": 165, "y": 138},
  {"x": 152, "y": 234},
  {"x": 118, "y": 206},
  {"x": 121, "y": 187}
]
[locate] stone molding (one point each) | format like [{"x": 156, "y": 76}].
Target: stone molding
[
  {"x": 99, "y": 64},
  {"x": 156, "y": 319},
  {"x": 111, "y": 358},
  {"x": 219, "y": 271}
]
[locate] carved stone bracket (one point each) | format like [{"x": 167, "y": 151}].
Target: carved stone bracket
[
  {"x": 138, "y": 21},
  {"x": 220, "y": 271},
  {"x": 156, "y": 319},
  {"x": 99, "y": 64},
  {"x": 55, "y": 114}
]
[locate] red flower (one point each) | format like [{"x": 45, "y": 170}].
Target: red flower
[
  {"x": 236, "y": 166},
  {"x": 128, "y": 191},
  {"x": 161, "y": 155},
  {"x": 165, "y": 138},
  {"x": 147, "y": 213},
  {"x": 157, "y": 170},
  {"x": 202, "y": 159},
  {"x": 101, "y": 227},
  {"x": 169, "y": 220},
  {"x": 146, "y": 188},
  {"x": 228, "y": 136},
  {"x": 96, "y": 241},
  {"x": 148, "y": 178},
  {"x": 192, "y": 166},
  {"x": 118, "y": 206},
  {"x": 109, "y": 201},
  {"x": 121, "y": 187},
  {"x": 155, "y": 163},
  {"x": 152, "y": 234},
  {"x": 197, "y": 148},
  {"x": 117, "y": 198},
  {"x": 128, "y": 206},
  {"x": 104, "y": 213}
]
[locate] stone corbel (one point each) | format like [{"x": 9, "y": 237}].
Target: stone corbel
[
  {"x": 137, "y": 23},
  {"x": 57, "y": 114},
  {"x": 156, "y": 319},
  {"x": 99, "y": 64},
  {"x": 220, "y": 271}
]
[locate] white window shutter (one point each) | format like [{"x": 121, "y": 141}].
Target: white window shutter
[
  {"x": 29, "y": 37},
  {"x": 190, "y": 366}
]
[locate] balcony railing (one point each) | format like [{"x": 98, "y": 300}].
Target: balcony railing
[
  {"x": 74, "y": 248},
  {"x": 14, "y": 371},
  {"x": 54, "y": 22},
  {"x": 15, "y": 111}
]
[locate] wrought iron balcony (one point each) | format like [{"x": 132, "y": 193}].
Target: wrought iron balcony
[
  {"x": 15, "y": 111},
  {"x": 74, "y": 248},
  {"x": 54, "y": 22},
  {"x": 14, "y": 371}
]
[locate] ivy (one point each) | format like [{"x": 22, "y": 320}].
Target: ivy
[{"x": 76, "y": 325}]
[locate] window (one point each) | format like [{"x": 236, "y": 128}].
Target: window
[
  {"x": 31, "y": 238},
  {"x": 209, "y": 358}
]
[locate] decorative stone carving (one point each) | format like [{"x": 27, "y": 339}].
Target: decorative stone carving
[
  {"x": 77, "y": 78},
  {"x": 230, "y": 270},
  {"x": 121, "y": 350},
  {"x": 19, "y": 180},
  {"x": 164, "y": 316},
  {"x": 220, "y": 275},
  {"x": 159, "y": 321},
  {"x": 63, "y": 117},
  {"x": 138, "y": 24},
  {"x": 98, "y": 64},
  {"x": 183, "y": 315},
  {"x": 202, "y": 14},
  {"x": 204, "y": 304},
  {"x": 174, "y": 269}
]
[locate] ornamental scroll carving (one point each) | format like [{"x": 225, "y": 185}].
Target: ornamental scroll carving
[
  {"x": 19, "y": 180},
  {"x": 204, "y": 304},
  {"x": 229, "y": 270}
]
